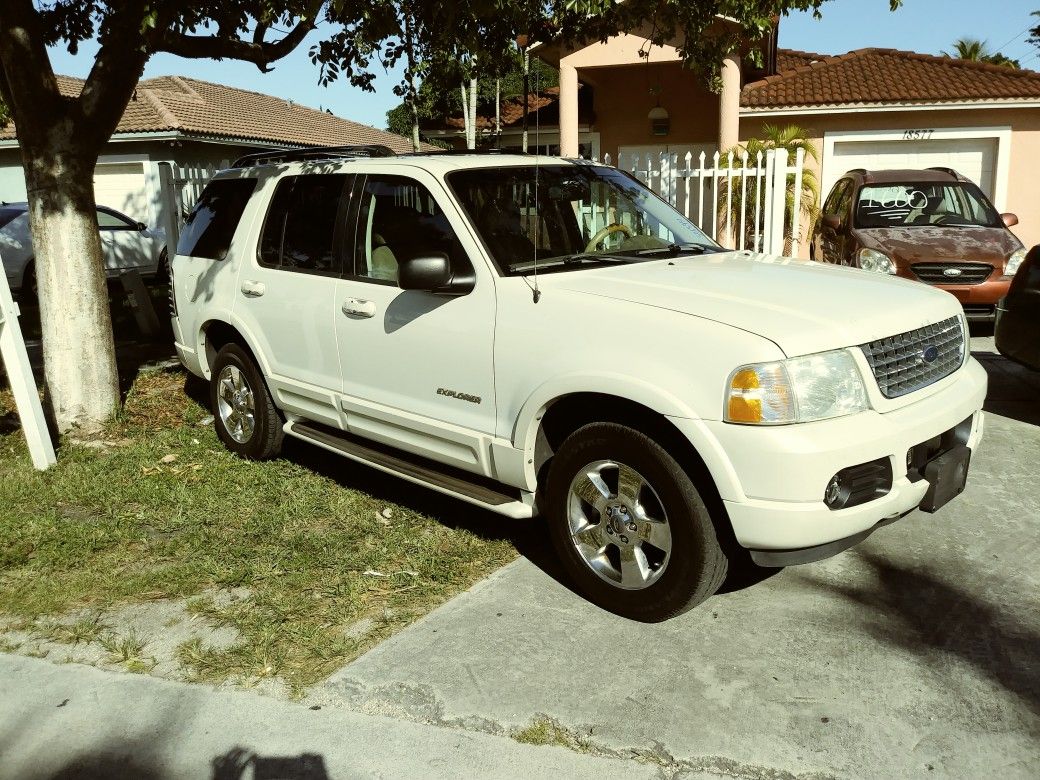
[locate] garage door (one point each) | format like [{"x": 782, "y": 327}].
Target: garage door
[
  {"x": 972, "y": 157},
  {"x": 121, "y": 186}
]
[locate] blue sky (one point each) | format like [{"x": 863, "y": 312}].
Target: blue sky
[{"x": 927, "y": 26}]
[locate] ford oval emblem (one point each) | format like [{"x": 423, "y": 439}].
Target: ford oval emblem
[
  {"x": 930, "y": 354},
  {"x": 952, "y": 272}
]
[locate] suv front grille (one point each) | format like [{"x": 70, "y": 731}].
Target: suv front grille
[
  {"x": 952, "y": 273},
  {"x": 900, "y": 363}
]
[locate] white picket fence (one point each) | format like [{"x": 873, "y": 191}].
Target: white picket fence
[{"x": 753, "y": 191}]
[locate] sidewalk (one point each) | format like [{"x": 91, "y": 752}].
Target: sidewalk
[{"x": 73, "y": 721}]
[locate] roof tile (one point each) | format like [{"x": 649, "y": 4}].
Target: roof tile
[
  {"x": 202, "y": 108},
  {"x": 885, "y": 76}
]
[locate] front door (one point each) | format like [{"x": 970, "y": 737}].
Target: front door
[{"x": 417, "y": 367}]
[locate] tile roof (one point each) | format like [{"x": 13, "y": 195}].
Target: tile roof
[
  {"x": 789, "y": 59},
  {"x": 201, "y": 108},
  {"x": 887, "y": 76}
]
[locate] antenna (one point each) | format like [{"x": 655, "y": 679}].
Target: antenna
[{"x": 537, "y": 292}]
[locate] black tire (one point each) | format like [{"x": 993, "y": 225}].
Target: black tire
[
  {"x": 696, "y": 565},
  {"x": 264, "y": 439},
  {"x": 162, "y": 271}
]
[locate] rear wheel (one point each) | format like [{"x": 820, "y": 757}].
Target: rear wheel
[
  {"x": 245, "y": 417},
  {"x": 630, "y": 525}
]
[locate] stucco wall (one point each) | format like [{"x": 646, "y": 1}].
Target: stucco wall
[
  {"x": 1023, "y": 188},
  {"x": 622, "y": 98}
]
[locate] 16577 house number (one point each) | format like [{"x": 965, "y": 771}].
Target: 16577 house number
[{"x": 917, "y": 135}]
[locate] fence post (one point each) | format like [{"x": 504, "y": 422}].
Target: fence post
[
  {"x": 700, "y": 193},
  {"x": 779, "y": 200},
  {"x": 687, "y": 175},
  {"x": 743, "y": 199},
  {"x": 759, "y": 226},
  {"x": 796, "y": 238},
  {"x": 20, "y": 377}
]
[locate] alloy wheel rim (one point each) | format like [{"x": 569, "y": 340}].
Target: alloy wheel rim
[
  {"x": 618, "y": 525},
  {"x": 235, "y": 404}
]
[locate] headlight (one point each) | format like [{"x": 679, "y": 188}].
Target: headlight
[
  {"x": 815, "y": 387},
  {"x": 869, "y": 260},
  {"x": 1013, "y": 262}
]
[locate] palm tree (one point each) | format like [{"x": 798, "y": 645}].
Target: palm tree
[
  {"x": 792, "y": 138},
  {"x": 975, "y": 50}
]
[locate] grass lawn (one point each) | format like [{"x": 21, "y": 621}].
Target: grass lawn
[{"x": 290, "y": 563}]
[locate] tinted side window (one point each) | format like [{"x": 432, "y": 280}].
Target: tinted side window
[
  {"x": 300, "y": 232},
  {"x": 831, "y": 206},
  {"x": 398, "y": 218},
  {"x": 213, "y": 221},
  {"x": 108, "y": 220}
]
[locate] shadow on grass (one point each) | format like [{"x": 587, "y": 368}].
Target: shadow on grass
[
  {"x": 934, "y": 619},
  {"x": 236, "y": 764}
]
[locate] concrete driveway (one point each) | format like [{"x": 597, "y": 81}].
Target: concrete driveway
[{"x": 915, "y": 654}]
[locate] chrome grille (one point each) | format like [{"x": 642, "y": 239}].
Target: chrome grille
[
  {"x": 899, "y": 363},
  {"x": 952, "y": 273}
]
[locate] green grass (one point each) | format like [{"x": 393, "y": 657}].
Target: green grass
[
  {"x": 117, "y": 525},
  {"x": 545, "y": 731}
]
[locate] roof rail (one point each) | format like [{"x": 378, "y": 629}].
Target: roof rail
[
  {"x": 950, "y": 171},
  {"x": 459, "y": 151},
  {"x": 857, "y": 170},
  {"x": 269, "y": 156}
]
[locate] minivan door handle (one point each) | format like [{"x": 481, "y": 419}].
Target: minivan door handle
[
  {"x": 252, "y": 289},
  {"x": 357, "y": 307}
]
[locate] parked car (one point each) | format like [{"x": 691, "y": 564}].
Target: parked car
[
  {"x": 934, "y": 225},
  {"x": 545, "y": 335},
  {"x": 1017, "y": 331},
  {"x": 127, "y": 245}
]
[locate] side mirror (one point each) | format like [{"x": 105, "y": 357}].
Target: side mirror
[
  {"x": 141, "y": 227},
  {"x": 831, "y": 221},
  {"x": 431, "y": 273},
  {"x": 1010, "y": 220}
]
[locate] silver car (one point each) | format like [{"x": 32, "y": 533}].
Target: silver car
[{"x": 128, "y": 245}]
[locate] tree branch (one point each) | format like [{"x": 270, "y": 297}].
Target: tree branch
[
  {"x": 29, "y": 86},
  {"x": 261, "y": 53}
]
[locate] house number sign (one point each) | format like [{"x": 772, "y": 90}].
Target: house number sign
[
  {"x": 917, "y": 135},
  {"x": 19, "y": 375}
]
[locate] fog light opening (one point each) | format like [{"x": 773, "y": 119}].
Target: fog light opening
[{"x": 836, "y": 493}]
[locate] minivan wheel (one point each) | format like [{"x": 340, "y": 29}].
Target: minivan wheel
[
  {"x": 630, "y": 526},
  {"x": 244, "y": 415}
]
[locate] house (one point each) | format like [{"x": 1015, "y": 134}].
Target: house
[
  {"x": 869, "y": 108},
  {"x": 177, "y": 131}
]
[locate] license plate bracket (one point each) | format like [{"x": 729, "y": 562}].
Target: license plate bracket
[{"x": 947, "y": 476}]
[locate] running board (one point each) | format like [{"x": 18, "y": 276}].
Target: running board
[{"x": 471, "y": 488}]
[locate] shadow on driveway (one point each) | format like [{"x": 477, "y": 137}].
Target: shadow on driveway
[{"x": 936, "y": 620}]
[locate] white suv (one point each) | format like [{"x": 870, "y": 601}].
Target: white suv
[{"x": 536, "y": 334}]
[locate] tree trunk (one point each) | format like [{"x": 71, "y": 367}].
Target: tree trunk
[
  {"x": 465, "y": 113},
  {"x": 82, "y": 386}
]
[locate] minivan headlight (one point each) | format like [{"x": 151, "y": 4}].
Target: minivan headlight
[
  {"x": 869, "y": 260},
  {"x": 802, "y": 389},
  {"x": 1013, "y": 262}
]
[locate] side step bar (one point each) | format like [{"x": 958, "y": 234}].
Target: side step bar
[{"x": 471, "y": 488}]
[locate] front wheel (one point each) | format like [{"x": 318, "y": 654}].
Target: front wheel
[
  {"x": 630, "y": 526},
  {"x": 245, "y": 416}
]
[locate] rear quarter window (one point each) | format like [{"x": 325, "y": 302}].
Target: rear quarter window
[{"x": 212, "y": 223}]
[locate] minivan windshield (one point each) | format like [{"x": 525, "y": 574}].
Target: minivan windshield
[
  {"x": 924, "y": 204},
  {"x": 564, "y": 217}
]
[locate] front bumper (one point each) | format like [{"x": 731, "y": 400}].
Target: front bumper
[{"x": 783, "y": 471}]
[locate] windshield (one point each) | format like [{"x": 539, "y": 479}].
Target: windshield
[
  {"x": 924, "y": 204},
  {"x": 569, "y": 216}
]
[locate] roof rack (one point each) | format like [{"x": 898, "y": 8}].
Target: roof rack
[
  {"x": 461, "y": 151},
  {"x": 269, "y": 156}
]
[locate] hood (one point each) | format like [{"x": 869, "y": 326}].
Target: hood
[
  {"x": 801, "y": 306},
  {"x": 921, "y": 244}
]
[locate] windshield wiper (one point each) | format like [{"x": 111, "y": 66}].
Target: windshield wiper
[
  {"x": 575, "y": 259},
  {"x": 675, "y": 249}
]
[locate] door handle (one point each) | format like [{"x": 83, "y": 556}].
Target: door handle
[
  {"x": 357, "y": 307},
  {"x": 252, "y": 289}
]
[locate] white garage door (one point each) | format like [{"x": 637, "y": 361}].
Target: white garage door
[
  {"x": 972, "y": 157},
  {"x": 121, "y": 186}
]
